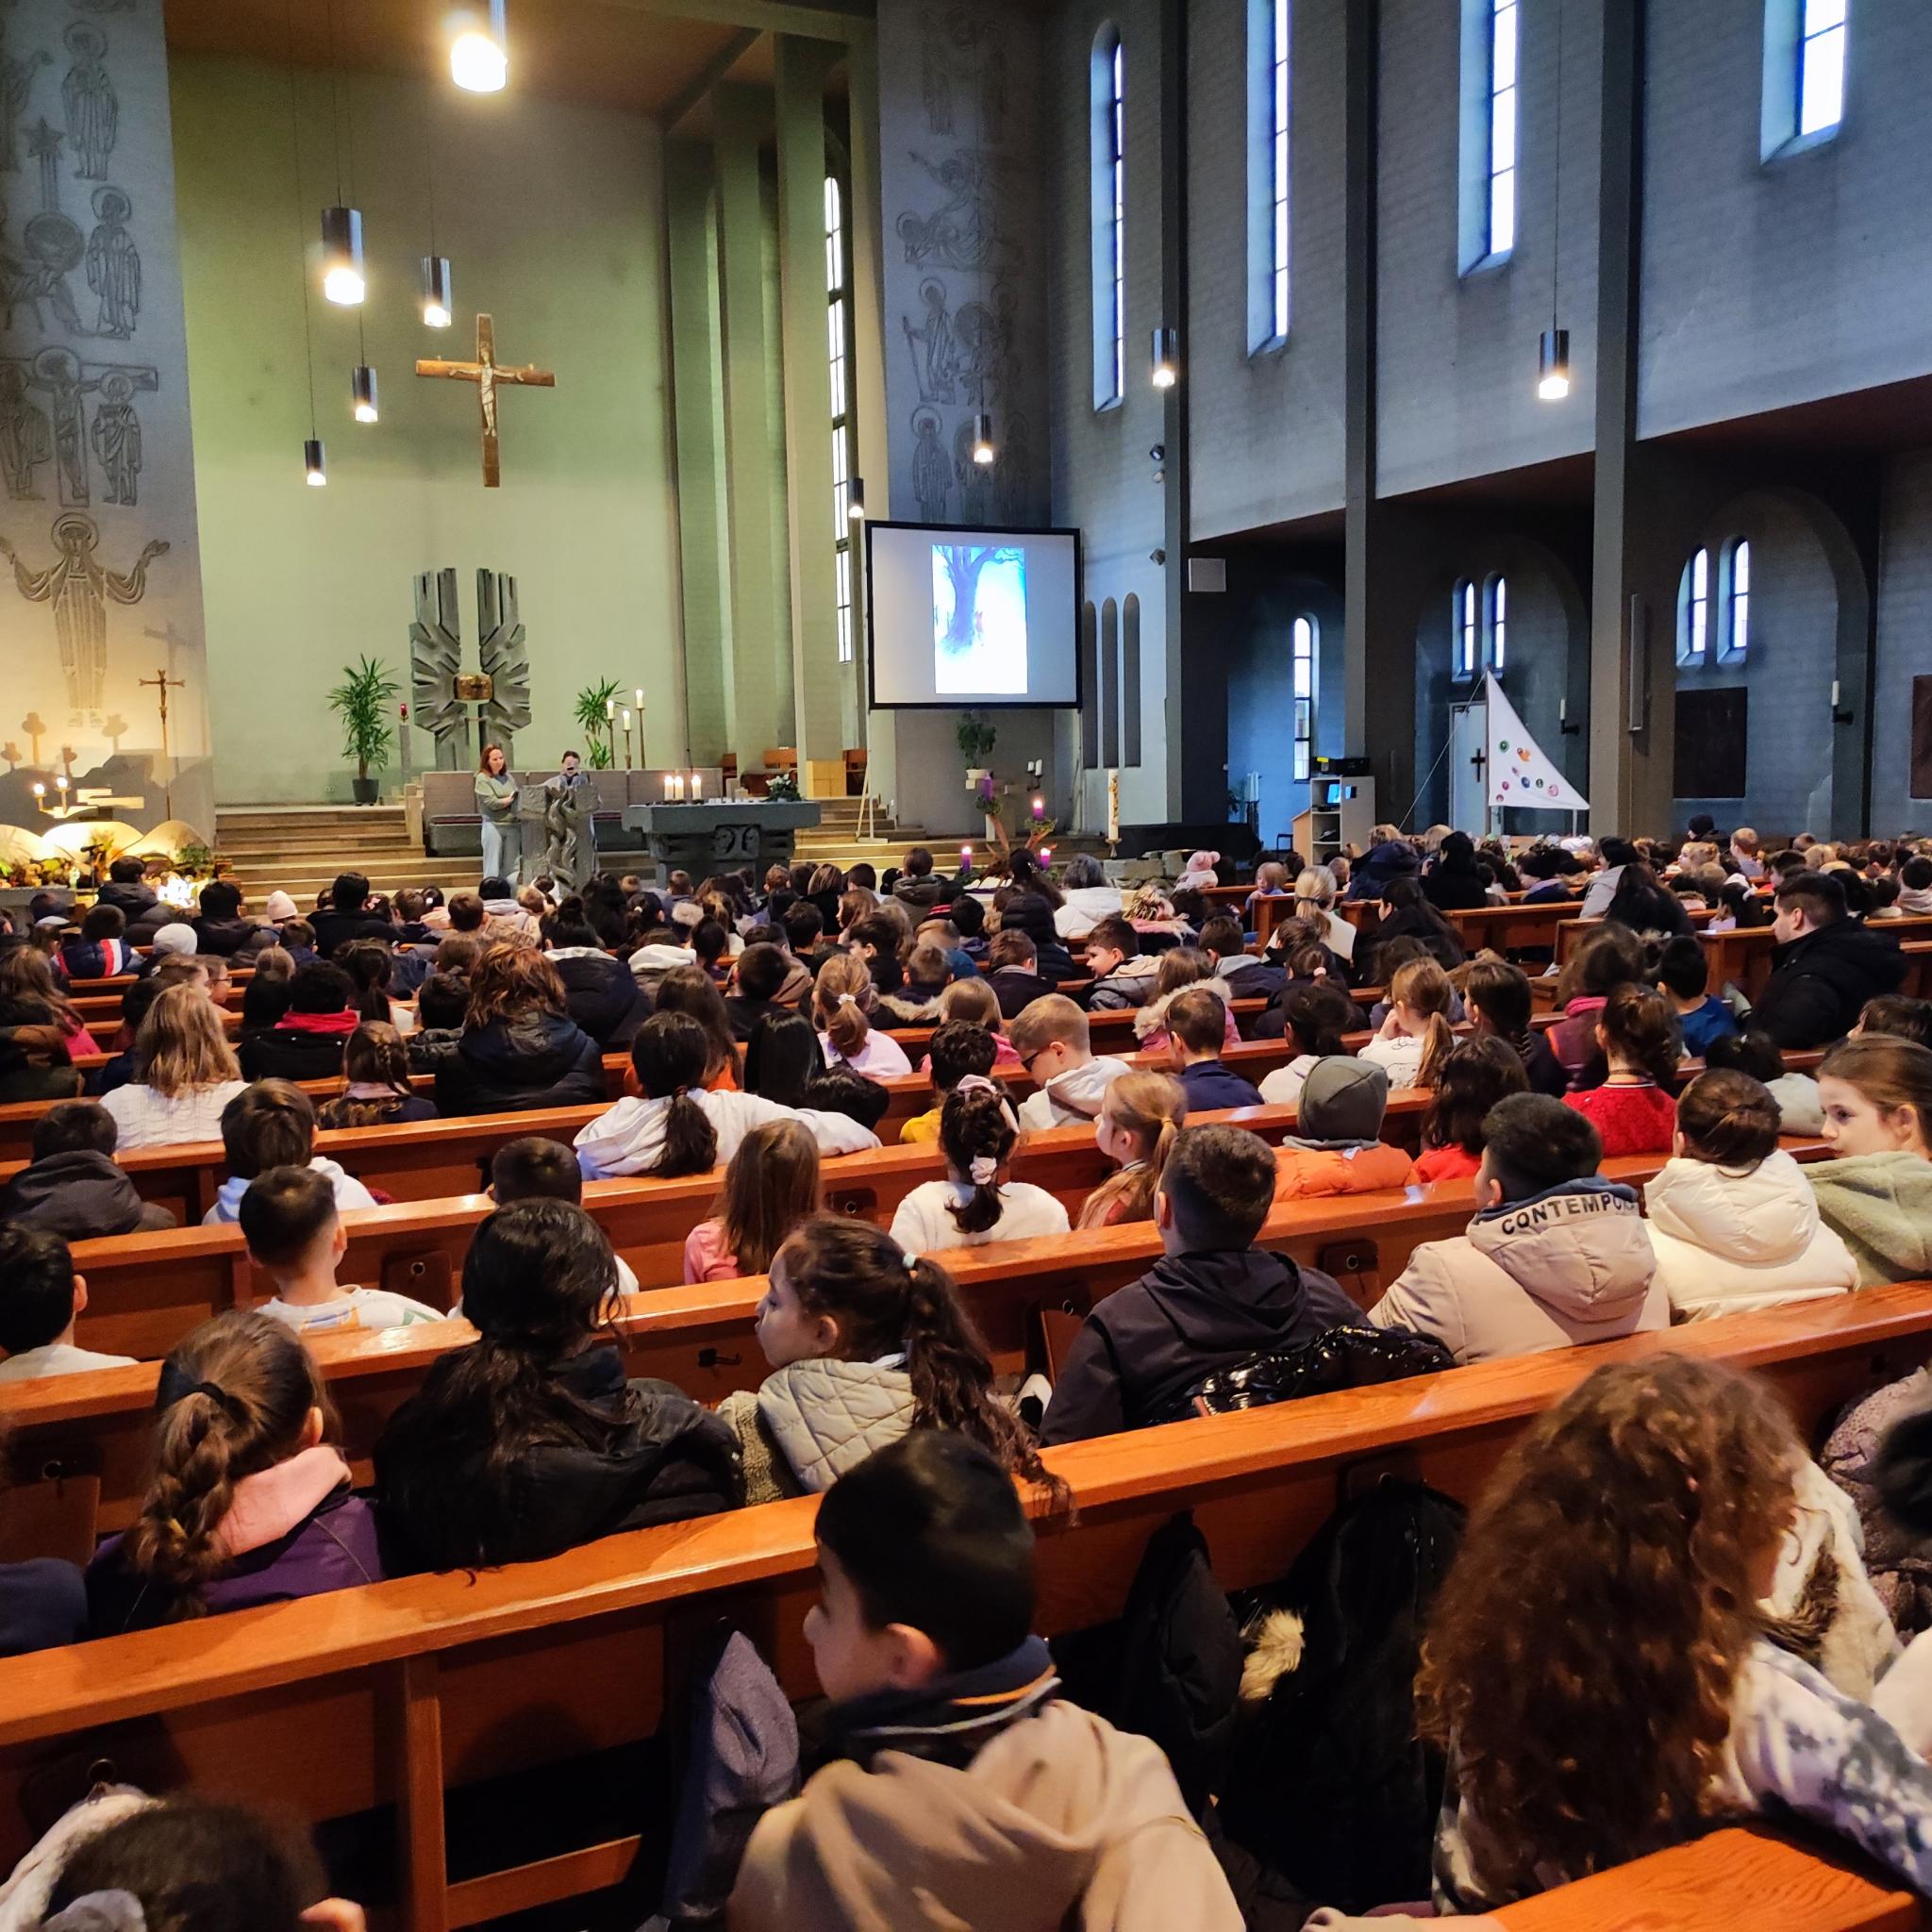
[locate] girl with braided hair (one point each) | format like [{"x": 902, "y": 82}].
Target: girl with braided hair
[
  {"x": 249, "y": 1502},
  {"x": 975, "y": 1203},
  {"x": 865, "y": 1342}
]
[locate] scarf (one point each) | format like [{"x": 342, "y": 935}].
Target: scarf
[
  {"x": 318, "y": 1023},
  {"x": 948, "y": 1721}
]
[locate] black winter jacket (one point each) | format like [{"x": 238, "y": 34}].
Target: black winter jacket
[
  {"x": 443, "y": 1506},
  {"x": 79, "y": 1196},
  {"x": 142, "y": 907},
  {"x": 1818, "y": 983},
  {"x": 1144, "y": 1345},
  {"x": 286, "y": 1053},
  {"x": 537, "y": 1061},
  {"x": 603, "y": 995},
  {"x": 234, "y": 939}
]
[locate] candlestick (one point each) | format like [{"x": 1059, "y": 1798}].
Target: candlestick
[{"x": 1113, "y": 808}]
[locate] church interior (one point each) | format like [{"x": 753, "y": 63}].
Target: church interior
[{"x": 965, "y": 964}]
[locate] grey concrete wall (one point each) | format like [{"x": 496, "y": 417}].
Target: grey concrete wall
[
  {"x": 1905, "y": 640},
  {"x": 1456, "y": 355},
  {"x": 1771, "y": 283},
  {"x": 1266, "y": 427}
]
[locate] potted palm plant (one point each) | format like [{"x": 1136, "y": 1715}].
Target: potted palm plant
[
  {"x": 362, "y": 702},
  {"x": 595, "y": 710},
  {"x": 976, "y": 736}
]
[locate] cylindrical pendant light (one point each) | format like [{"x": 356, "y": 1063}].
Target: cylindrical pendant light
[
  {"x": 982, "y": 440},
  {"x": 315, "y": 462},
  {"x": 855, "y": 499},
  {"x": 362, "y": 392},
  {"x": 341, "y": 256},
  {"x": 1552, "y": 365},
  {"x": 479, "y": 53},
  {"x": 438, "y": 303},
  {"x": 1166, "y": 368}
]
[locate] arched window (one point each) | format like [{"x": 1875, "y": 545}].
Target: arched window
[
  {"x": 1110, "y": 684},
  {"x": 1488, "y": 198},
  {"x": 1267, "y": 173},
  {"x": 1306, "y": 641},
  {"x": 1108, "y": 221},
  {"x": 1465, "y": 620},
  {"x": 1130, "y": 680},
  {"x": 1090, "y": 688},
  {"x": 1734, "y": 640},
  {"x": 1804, "y": 48},
  {"x": 1693, "y": 611},
  {"x": 1496, "y": 620},
  {"x": 838, "y": 337}
]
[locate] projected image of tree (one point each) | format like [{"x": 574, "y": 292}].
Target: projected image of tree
[{"x": 978, "y": 620}]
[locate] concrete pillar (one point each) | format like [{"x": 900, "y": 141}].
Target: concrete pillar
[
  {"x": 758, "y": 683},
  {"x": 865, "y": 226},
  {"x": 799, "y": 87},
  {"x": 703, "y": 502}
]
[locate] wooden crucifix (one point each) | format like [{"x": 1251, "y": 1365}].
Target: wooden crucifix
[{"x": 485, "y": 371}]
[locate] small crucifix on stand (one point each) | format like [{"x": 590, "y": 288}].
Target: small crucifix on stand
[
  {"x": 485, "y": 371},
  {"x": 164, "y": 684}
]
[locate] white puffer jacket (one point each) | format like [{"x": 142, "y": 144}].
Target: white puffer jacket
[
  {"x": 827, "y": 1416},
  {"x": 1728, "y": 1244}
]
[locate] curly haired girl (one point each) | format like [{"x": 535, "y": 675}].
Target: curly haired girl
[
  {"x": 1604, "y": 1666},
  {"x": 248, "y": 1501}
]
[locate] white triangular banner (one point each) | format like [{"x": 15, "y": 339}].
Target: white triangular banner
[{"x": 1520, "y": 771}]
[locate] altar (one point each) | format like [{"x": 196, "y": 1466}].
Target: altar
[{"x": 718, "y": 835}]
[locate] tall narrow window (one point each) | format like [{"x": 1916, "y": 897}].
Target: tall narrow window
[
  {"x": 1110, "y": 684},
  {"x": 1305, "y": 641},
  {"x": 1267, "y": 173},
  {"x": 1736, "y": 641},
  {"x": 837, "y": 342},
  {"x": 1488, "y": 161},
  {"x": 1496, "y": 620},
  {"x": 1693, "y": 611},
  {"x": 1130, "y": 680},
  {"x": 1806, "y": 46},
  {"x": 1090, "y": 687},
  {"x": 1465, "y": 650},
  {"x": 1110, "y": 210},
  {"x": 1822, "y": 66}
]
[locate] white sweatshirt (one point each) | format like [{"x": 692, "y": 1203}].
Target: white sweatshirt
[{"x": 629, "y": 1138}]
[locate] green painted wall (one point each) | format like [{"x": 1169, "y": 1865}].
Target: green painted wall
[{"x": 553, "y": 214}]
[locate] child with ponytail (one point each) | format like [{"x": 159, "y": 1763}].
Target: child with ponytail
[
  {"x": 865, "y": 1343},
  {"x": 841, "y": 1002},
  {"x": 1641, "y": 1044},
  {"x": 248, "y": 1501},
  {"x": 1139, "y": 1115},
  {"x": 678, "y": 1125},
  {"x": 1415, "y": 1034},
  {"x": 975, "y": 1203}
]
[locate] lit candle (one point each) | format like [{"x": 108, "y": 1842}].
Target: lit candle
[
  {"x": 1046, "y": 854},
  {"x": 697, "y": 784},
  {"x": 1039, "y": 806},
  {"x": 667, "y": 785},
  {"x": 1113, "y": 808},
  {"x": 39, "y": 790},
  {"x": 965, "y": 855},
  {"x": 61, "y": 782},
  {"x": 639, "y": 696},
  {"x": 609, "y": 708}
]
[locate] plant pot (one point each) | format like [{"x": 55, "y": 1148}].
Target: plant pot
[
  {"x": 974, "y": 774},
  {"x": 365, "y": 790}
]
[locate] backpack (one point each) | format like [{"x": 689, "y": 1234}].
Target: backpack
[
  {"x": 1351, "y": 1357},
  {"x": 1328, "y": 1784}
]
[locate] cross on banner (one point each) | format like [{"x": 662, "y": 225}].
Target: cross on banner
[{"x": 485, "y": 371}]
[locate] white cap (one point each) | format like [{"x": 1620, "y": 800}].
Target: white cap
[
  {"x": 281, "y": 907},
  {"x": 177, "y": 939}
]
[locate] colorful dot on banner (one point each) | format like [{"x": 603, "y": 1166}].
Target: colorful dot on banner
[
  {"x": 1501, "y": 744},
  {"x": 1523, "y": 752},
  {"x": 1538, "y": 784}
]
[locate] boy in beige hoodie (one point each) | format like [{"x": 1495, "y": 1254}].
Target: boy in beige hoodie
[{"x": 959, "y": 1787}]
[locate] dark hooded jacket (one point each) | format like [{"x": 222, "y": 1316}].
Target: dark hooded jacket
[
  {"x": 1818, "y": 983},
  {"x": 1145, "y": 1344},
  {"x": 1394, "y": 859},
  {"x": 539, "y": 1060},
  {"x": 444, "y": 1507},
  {"x": 234, "y": 939},
  {"x": 81, "y": 1196},
  {"x": 35, "y": 1063},
  {"x": 602, "y": 993},
  {"x": 1028, "y": 912},
  {"x": 142, "y": 907},
  {"x": 295, "y": 1052}
]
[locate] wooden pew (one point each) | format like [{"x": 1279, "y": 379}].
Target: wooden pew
[
  {"x": 1703, "y": 1887},
  {"x": 1109, "y": 1031},
  {"x": 1743, "y": 956},
  {"x": 699, "y": 1337},
  {"x": 397, "y": 1693},
  {"x": 146, "y": 1290}
]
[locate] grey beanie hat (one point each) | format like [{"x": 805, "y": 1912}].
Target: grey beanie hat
[{"x": 1342, "y": 1101}]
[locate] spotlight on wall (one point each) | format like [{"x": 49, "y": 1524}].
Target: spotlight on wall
[
  {"x": 362, "y": 392},
  {"x": 438, "y": 303},
  {"x": 855, "y": 499},
  {"x": 479, "y": 48},
  {"x": 315, "y": 462},
  {"x": 1552, "y": 365},
  {"x": 982, "y": 440},
  {"x": 341, "y": 256},
  {"x": 1166, "y": 364}
]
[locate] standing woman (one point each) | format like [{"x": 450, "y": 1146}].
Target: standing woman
[{"x": 496, "y": 802}]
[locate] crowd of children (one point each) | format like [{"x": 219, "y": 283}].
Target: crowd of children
[{"x": 758, "y": 1035}]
